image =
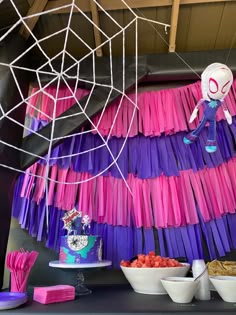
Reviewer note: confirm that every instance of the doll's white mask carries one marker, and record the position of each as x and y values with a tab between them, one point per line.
217	79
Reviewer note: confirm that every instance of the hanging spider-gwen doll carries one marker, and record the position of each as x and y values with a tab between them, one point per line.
216	81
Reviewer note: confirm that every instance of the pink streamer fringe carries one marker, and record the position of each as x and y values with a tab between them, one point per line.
161	202
167	111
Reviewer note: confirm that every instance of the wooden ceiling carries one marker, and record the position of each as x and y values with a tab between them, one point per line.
194	25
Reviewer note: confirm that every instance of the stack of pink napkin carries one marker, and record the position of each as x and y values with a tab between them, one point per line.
54	294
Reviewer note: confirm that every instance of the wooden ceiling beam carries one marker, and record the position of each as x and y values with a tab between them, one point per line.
30	2
203	1
110	5
173	24
84	6
37	7
96	32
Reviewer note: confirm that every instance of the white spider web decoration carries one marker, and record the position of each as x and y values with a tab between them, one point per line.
63	76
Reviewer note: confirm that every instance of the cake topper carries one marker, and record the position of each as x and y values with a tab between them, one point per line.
72	221
86	224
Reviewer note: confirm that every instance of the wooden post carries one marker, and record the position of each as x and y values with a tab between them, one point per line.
174	23
37	7
97	33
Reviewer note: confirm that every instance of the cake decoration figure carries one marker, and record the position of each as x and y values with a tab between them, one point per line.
72	221
86	227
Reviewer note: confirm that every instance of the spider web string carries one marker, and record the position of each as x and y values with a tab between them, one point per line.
105	142
63	75
164	40
38	70
54	115
42	89
96	128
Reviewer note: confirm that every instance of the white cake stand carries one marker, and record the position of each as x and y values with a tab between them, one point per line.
80	288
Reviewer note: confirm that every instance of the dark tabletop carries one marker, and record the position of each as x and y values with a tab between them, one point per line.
121	299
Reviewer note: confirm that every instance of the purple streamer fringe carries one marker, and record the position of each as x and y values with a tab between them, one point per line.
126	242
145	157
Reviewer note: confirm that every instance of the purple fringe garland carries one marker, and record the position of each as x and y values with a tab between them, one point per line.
144	157
122	242
161	202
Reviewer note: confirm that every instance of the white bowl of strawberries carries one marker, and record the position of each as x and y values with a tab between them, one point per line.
145	273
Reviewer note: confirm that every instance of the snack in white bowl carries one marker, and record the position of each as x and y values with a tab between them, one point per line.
221	268
145	273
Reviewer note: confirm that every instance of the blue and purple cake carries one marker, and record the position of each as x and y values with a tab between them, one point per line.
79	247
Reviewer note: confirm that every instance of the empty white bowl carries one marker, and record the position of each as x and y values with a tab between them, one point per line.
180	289
226	287
148	280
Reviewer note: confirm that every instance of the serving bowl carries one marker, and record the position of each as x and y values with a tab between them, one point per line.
148	280
180	289
225	286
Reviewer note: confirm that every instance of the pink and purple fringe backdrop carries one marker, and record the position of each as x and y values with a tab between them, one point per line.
183	197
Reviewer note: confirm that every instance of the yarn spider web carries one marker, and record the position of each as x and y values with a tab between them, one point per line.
63	76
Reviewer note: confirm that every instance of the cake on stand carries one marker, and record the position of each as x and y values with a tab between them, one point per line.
80	288
77	239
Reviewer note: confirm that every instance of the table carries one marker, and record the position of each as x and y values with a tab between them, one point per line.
121	299
80	288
